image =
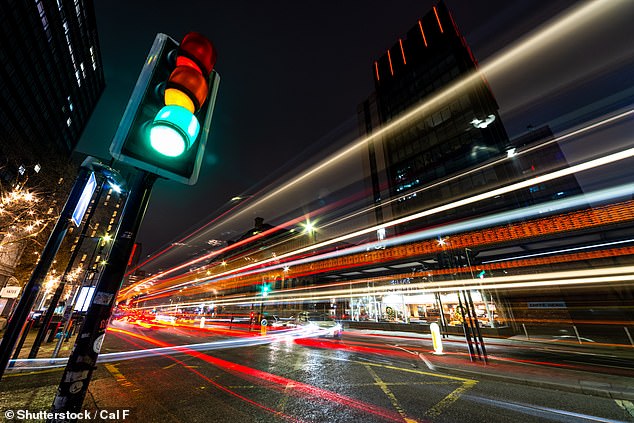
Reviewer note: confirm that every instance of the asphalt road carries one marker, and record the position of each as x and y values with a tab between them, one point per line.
358	379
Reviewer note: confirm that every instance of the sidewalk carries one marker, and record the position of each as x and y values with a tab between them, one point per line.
554	376
46	348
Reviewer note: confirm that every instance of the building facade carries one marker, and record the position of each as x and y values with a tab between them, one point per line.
51	77
454	131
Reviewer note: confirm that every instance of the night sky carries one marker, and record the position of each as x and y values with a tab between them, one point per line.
292	73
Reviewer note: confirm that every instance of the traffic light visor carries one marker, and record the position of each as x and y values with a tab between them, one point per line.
187	88
199	50
173	131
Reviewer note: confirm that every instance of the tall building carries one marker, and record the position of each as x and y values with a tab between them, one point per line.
455	132
51	77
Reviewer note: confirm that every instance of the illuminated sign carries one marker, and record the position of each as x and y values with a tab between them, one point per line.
84	298
84	200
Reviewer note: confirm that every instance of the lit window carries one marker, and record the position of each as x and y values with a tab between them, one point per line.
92	57
47	30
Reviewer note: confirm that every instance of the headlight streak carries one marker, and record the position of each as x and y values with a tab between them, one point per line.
540	209
279	336
522	50
129	291
550	279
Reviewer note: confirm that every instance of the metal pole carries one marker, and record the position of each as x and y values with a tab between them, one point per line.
465	328
443	322
81	364
472	330
42	267
48	316
478	332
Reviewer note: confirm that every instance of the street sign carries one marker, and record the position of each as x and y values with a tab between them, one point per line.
264	322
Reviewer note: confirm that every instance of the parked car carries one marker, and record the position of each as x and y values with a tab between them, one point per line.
321	321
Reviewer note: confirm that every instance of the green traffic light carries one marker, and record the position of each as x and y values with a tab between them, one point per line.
173	131
265	290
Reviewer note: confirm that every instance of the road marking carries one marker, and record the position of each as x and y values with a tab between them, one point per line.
450	399
628	406
389	394
445	402
428	363
119	377
421	372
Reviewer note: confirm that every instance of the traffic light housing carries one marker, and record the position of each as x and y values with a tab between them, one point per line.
165	126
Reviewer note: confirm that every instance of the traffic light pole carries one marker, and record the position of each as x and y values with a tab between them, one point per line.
81	364
32	288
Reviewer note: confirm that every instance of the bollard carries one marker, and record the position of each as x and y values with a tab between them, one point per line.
263	325
436	338
202	322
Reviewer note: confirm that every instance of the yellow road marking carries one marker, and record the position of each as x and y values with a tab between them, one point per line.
456	378
117	375
450	399
445	402
389	394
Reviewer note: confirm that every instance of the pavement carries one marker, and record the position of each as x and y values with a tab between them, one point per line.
46	348
526	372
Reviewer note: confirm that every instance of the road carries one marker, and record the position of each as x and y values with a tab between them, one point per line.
358	379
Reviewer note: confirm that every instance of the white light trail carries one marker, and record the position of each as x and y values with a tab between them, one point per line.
594	276
568	26
550	207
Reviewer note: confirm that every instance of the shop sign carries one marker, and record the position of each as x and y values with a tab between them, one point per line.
10	292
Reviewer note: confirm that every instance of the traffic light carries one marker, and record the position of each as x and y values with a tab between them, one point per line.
165	126
266	288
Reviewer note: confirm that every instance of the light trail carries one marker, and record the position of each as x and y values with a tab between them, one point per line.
490	194
513	215
610	275
281	336
565	250
588	11
300	389
538	41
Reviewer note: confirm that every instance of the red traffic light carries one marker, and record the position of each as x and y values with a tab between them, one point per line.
187	85
198	52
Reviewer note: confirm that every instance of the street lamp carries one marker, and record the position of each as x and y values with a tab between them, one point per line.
310	229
